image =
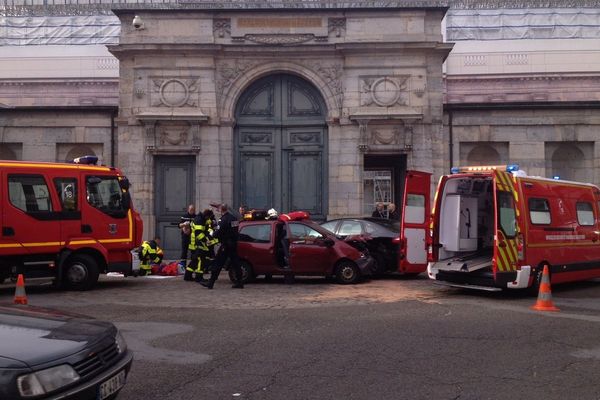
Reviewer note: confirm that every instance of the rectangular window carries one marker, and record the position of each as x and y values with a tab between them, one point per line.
506	214
539	212
585	214
256	233
66	188
29	193
414	212
105	194
350	228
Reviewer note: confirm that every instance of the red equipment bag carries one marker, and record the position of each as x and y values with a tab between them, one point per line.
171	269
294	216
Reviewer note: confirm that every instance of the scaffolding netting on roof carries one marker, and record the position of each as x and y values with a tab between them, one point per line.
63	30
530	23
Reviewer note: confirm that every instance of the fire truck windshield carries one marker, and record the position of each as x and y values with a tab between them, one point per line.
105	194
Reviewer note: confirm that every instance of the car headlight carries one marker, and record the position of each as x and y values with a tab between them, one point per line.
47	380
121	343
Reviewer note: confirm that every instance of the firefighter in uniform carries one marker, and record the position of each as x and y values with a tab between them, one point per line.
211	240
227	234
197	248
149	253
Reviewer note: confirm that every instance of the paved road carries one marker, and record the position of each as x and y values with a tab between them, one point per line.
383	339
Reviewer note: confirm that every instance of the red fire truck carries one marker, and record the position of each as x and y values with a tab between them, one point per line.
495	227
66	221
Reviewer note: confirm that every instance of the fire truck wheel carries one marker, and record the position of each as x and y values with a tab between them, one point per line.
247	273
347	272
81	272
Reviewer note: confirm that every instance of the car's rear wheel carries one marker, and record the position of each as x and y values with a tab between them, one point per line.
247	273
80	272
346	272
380	266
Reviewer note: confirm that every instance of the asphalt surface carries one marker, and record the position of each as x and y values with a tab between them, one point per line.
382	339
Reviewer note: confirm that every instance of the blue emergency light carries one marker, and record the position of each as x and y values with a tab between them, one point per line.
88	160
556	177
512	167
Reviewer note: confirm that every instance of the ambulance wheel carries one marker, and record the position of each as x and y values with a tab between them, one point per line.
347	273
247	273
80	272
537	281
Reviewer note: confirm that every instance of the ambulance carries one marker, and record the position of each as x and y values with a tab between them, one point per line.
494	227
69	222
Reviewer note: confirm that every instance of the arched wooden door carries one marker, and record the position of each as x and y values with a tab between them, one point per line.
281	146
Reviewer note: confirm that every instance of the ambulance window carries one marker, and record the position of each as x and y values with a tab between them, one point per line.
414	211
539	212
67	193
29	193
256	233
506	213
105	194
585	214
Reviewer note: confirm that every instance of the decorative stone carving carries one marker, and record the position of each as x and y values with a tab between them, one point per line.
173	135
337	26
363	144
227	73
279	39
332	75
175	92
221	27
386	137
384	91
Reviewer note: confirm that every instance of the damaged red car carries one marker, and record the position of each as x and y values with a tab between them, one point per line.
299	248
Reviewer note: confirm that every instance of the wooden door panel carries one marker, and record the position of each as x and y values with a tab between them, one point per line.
305	182
257	189
174	190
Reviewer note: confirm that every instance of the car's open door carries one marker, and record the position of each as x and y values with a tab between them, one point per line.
414	229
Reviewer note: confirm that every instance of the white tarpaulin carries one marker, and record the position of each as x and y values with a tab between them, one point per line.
532	23
51	30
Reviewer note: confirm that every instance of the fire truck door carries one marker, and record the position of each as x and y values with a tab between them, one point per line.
105	212
506	227
415	222
29	214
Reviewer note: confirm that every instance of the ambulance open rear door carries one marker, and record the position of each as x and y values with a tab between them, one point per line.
415	222
506	252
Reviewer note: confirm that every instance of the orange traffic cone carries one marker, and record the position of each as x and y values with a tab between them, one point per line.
20	296
544	300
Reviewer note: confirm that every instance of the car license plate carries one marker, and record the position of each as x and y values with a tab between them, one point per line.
112	385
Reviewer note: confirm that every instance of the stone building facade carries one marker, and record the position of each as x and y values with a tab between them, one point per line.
300	104
283	108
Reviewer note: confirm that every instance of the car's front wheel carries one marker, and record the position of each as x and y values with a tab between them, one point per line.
80	272
347	273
